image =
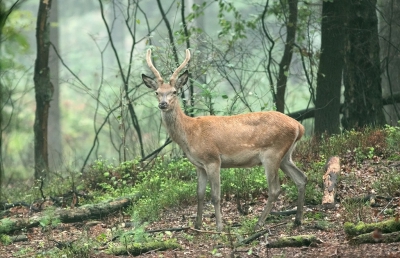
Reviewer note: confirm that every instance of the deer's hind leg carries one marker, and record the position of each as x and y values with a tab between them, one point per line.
299	178
274	187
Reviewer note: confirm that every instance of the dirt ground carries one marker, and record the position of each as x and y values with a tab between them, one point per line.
326	225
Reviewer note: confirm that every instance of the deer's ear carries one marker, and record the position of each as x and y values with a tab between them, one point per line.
149	82
182	80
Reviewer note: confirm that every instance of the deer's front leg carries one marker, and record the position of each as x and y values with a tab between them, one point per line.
214	176
201	190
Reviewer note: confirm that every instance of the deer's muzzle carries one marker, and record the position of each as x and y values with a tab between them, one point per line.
162	105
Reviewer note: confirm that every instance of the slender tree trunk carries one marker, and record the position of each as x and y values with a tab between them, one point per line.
389	30
291	27
2	22
329	78
54	133
363	104
43	90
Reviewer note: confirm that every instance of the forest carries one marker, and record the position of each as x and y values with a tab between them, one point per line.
91	167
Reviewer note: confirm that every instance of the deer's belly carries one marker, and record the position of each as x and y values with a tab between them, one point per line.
240	160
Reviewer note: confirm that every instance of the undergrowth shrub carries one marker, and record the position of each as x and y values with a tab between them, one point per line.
103	174
393	141
243	183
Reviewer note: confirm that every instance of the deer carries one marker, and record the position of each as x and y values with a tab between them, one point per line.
265	138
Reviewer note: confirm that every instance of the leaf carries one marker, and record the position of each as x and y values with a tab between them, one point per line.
224	96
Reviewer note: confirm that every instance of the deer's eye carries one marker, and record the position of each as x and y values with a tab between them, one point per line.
156	93
174	92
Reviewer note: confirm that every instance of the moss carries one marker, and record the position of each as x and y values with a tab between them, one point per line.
387	226
293	241
137	248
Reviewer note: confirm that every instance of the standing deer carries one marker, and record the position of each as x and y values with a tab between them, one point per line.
215	142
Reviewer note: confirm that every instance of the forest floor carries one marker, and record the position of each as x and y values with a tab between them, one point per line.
325	224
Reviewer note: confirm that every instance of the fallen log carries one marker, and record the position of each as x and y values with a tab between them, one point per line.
332	173
387	226
141	248
294	241
375	237
88	211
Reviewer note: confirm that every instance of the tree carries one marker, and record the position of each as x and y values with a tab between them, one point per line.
363	103
329	77
291	27
389	30
54	132
43	90
4	14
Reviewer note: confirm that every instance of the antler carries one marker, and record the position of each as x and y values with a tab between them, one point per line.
175	74
152	68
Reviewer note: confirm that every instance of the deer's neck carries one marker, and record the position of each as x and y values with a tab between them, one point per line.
175	122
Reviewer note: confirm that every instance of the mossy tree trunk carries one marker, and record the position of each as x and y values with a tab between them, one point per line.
43	89
363	105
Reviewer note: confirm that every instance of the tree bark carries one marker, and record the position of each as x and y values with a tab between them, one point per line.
82	213
43	90
332	172
284	65
3	15
54	133
329	77
363	92
390	56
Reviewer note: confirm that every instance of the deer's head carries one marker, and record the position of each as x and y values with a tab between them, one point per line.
166	93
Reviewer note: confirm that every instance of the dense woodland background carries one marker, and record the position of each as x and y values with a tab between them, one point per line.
71	90
87	169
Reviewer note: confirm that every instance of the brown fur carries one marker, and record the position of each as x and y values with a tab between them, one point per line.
214	142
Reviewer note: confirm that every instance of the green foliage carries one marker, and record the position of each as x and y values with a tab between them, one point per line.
6	225
393	140
388	183
232	24
175	180
76	249
243	183
49	220
358	145
104	175
5	239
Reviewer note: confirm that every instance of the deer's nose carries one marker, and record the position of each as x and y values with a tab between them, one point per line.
162	105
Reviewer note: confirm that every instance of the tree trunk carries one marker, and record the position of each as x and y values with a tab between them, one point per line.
2	22
284	65
54	132
43	89
329	78
363	92
390	56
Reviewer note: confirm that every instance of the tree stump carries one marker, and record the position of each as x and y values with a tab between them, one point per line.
332	172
